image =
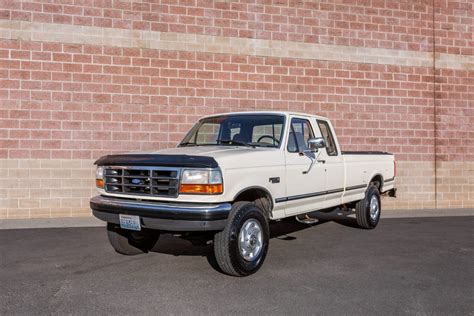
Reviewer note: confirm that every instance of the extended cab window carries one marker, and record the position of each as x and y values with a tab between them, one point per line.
257	130
300	133
331	148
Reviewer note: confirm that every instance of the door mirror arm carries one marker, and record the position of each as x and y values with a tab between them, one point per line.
314	145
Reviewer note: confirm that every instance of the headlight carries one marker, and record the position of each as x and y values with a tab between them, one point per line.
99	177
196	181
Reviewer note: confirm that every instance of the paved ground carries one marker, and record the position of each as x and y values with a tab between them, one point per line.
420	266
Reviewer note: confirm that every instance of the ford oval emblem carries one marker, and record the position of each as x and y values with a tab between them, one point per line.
136	181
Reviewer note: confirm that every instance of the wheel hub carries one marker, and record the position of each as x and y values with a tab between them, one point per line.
250	240
374	208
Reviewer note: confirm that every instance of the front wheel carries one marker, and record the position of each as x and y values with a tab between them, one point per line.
129	242
241	247
368	209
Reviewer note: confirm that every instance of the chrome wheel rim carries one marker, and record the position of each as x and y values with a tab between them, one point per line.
250	240
374	208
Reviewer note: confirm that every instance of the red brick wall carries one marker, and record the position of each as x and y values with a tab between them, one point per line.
454	105
454	29
69	96
455	115
78	101
387	24
406	25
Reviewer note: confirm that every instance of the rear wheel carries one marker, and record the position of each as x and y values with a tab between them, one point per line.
368	209
241	247
129	242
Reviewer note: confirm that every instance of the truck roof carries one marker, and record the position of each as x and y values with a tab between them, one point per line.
286	113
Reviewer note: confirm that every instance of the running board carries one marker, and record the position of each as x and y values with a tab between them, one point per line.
306	219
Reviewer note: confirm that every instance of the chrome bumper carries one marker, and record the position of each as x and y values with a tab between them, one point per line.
163	216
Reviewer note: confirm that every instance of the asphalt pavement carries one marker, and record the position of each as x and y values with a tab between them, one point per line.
413	266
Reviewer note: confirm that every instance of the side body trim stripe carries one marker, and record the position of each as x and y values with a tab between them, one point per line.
308	195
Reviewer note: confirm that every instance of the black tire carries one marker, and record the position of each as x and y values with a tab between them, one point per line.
364	219
226	243
128	242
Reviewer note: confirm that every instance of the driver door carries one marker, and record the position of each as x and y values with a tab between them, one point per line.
304	189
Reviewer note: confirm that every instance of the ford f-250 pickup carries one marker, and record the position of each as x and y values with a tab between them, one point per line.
230	176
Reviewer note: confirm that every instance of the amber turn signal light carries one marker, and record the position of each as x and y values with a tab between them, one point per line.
99	183
201	188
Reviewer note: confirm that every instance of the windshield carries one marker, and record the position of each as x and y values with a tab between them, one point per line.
254	130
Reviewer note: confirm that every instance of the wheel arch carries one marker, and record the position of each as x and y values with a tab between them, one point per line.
377	180
260	195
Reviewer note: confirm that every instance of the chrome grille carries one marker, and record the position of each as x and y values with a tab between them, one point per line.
148	181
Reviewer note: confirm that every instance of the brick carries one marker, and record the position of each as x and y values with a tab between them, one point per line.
79	90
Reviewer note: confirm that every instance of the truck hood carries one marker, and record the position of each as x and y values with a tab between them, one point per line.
228	157
210	151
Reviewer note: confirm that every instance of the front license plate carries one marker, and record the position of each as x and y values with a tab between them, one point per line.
130	222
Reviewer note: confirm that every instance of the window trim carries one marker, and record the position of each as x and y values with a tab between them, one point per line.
331	135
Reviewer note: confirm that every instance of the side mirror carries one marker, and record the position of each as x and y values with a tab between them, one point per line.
315	143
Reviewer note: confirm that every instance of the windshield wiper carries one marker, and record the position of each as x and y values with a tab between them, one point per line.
236	142
256	144
187	144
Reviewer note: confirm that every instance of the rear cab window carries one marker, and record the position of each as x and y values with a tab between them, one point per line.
326	133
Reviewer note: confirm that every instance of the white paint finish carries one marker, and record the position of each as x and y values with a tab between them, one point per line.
241	167
247	167
335	177
360	169
334	166
298	183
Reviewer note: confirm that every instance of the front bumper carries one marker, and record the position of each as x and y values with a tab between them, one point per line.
163	216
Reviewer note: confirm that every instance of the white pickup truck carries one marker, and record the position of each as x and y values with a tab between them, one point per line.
230	176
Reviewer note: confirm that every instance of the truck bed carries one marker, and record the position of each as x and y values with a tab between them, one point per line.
365	153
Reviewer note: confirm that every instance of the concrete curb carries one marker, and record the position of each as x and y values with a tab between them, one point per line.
427	213
94	222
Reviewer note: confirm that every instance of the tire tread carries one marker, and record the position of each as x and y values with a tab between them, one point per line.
361	209
222	248
222	241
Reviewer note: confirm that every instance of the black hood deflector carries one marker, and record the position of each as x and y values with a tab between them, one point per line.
157	160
